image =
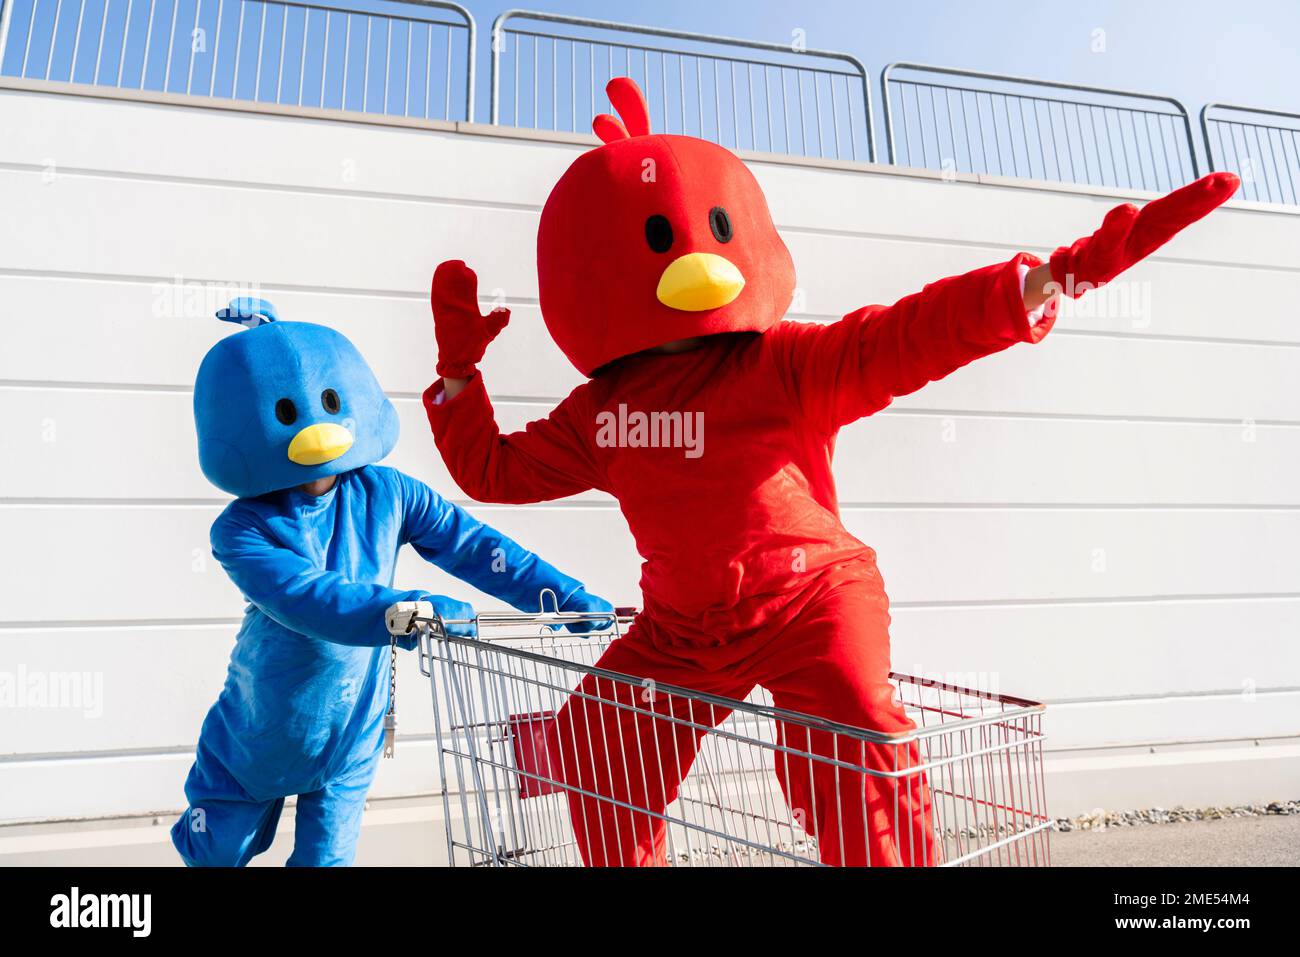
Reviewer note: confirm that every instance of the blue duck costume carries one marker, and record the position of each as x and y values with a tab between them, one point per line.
302	711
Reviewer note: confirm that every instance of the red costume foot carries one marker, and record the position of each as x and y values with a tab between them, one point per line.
713	421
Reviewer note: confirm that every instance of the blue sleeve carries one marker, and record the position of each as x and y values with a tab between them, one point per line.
461	545
298	595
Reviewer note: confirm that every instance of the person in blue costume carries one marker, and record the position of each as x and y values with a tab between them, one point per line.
291	420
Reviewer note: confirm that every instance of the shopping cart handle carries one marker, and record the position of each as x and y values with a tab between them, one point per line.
402	616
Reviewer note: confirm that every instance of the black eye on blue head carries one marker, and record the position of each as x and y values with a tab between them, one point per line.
287	412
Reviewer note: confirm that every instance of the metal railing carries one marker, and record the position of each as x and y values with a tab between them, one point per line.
1260	146
551	71
1035	129
417	58
413	58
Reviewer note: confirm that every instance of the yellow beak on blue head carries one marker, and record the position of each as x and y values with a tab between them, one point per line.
318	444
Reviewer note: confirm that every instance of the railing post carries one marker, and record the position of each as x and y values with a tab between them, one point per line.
866	106
1191	140
497	41
889	114
1205	136
6	14
471	59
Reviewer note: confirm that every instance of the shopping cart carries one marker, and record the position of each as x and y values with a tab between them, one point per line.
496	696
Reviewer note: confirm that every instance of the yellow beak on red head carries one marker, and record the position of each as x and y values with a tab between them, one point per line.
699	281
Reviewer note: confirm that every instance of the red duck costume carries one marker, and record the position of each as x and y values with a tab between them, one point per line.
749	576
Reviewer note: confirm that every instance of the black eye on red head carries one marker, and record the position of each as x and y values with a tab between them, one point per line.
720	223
659	233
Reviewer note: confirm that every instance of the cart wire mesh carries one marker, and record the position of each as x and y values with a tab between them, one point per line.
500	683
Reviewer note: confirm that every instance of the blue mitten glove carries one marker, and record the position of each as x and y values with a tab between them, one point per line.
446	608
450	608
581	601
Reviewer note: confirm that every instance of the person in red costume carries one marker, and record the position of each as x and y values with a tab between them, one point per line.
663	278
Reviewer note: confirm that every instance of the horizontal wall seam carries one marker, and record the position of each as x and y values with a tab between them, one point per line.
1079	601
301	189
82	275
101	624
168	751
117	624
1255	743
549	402
533	208
532	302
1164	697
604	504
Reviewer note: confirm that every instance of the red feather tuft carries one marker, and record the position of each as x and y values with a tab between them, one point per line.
628	100
608	128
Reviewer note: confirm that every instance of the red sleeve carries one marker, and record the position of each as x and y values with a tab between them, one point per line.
551	458
848	369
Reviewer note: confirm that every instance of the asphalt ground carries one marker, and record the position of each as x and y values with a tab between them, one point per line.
405	833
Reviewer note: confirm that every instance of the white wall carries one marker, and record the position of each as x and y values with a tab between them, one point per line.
1107	521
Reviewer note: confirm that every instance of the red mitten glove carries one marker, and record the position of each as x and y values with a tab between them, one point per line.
463	333
1128	234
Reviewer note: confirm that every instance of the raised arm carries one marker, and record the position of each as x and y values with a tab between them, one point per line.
857	366
549	459
851	368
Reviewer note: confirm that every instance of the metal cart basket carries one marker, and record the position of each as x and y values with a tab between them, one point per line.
497	693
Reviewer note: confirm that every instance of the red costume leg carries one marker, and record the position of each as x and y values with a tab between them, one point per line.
833	661
615	739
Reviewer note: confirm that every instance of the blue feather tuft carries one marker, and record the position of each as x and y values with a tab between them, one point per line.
248	311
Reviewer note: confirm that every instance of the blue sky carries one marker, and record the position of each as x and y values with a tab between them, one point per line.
1197	50
1193	49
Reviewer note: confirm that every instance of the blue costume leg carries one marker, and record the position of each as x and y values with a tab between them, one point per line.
329	820
224	826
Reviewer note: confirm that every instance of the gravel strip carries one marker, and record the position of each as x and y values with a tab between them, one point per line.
1101	820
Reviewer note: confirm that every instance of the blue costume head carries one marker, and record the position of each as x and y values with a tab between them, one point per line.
285	403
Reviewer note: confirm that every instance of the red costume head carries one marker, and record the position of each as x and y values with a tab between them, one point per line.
648	239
